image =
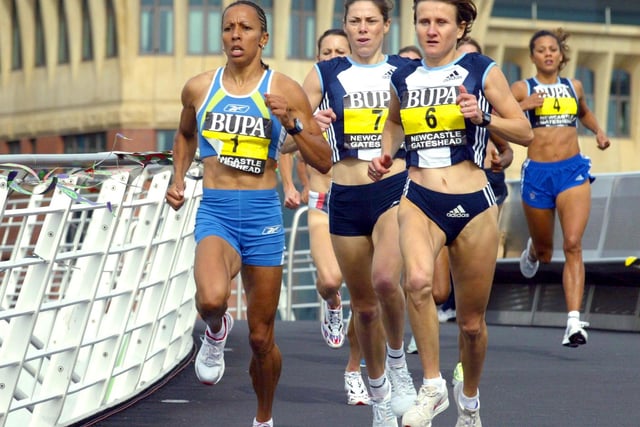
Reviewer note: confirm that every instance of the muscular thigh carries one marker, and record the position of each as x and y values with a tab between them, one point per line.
321	246
214	254
420	238
262	290
387	261
573	207
354	255
472	258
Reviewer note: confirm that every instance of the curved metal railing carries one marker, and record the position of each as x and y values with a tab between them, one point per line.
96	298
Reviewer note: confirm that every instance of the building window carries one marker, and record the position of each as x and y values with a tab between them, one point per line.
40	53
63	35
112	31
85	143
87	37
619	104
267	6
156	26
164	139
338	14
13	147
511	71
586	77
16	40
205	21
303	25
391	43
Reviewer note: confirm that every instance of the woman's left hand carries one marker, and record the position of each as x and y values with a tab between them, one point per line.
603	140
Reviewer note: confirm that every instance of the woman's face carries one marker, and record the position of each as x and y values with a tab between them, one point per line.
437	30
365	26
333	45
546	55
242	33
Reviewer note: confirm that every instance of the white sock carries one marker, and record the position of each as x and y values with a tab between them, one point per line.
396	358
379	387
257	423
221	333
435	382
471	403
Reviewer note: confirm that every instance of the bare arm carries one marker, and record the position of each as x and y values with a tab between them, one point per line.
527	102
392	137
588	119
502	157
510	123
287	102
291	194
312	88
301	170
184	143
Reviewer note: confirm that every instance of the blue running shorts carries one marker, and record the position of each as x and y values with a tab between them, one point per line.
249	220
541	182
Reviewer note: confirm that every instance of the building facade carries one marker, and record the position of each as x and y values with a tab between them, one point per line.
82	76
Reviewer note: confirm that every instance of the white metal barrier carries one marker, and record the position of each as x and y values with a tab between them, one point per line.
96	296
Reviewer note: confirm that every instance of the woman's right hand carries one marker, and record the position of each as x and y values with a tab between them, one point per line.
532	101
324	118
175	195
379	166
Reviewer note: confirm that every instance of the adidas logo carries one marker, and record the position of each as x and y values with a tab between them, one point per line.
453	76
579	178
458	212
388	74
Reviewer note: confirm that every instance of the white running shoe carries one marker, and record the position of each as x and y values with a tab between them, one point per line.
332	326
403	392
257	423
574	334
466	417
446	315
383	416
357	393
209	363
528	268
412	347
430	402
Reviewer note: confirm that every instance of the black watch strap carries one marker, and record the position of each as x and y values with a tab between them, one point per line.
297	127
486	119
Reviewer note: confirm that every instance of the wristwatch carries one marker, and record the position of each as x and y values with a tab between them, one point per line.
297	127
486	119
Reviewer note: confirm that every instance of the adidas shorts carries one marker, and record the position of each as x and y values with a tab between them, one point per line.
249	220
541	182
451	212
498	185
355	209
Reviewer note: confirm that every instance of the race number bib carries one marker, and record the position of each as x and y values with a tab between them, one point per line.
242	142
432	119
364	116
559	107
